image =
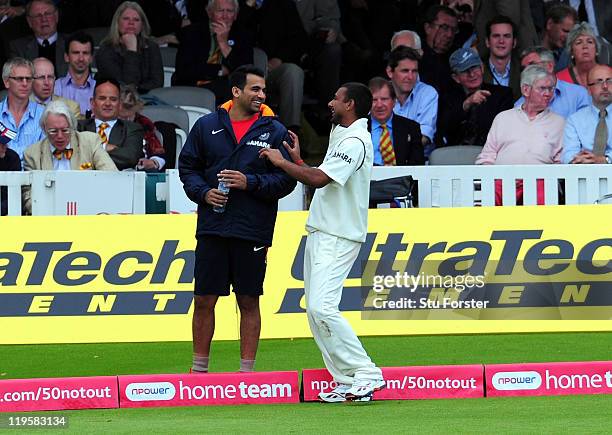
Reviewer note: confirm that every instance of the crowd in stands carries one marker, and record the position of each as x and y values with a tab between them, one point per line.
528	80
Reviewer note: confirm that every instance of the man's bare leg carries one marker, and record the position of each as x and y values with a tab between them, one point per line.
250	327
203	329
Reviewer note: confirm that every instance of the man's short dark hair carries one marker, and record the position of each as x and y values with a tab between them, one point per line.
28	6
79	36
361	95
377	83
501	19
238	77
432	13
400	53
102	80
559	12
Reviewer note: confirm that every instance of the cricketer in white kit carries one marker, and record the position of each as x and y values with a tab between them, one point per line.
337	226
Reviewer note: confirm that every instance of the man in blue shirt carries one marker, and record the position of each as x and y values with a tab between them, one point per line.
17	112
415	99
568	98
588	133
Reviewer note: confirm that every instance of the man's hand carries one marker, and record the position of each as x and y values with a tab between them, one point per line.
12	11
130	41
221	31
293	150
332	36
216	198
476	99
147	164
586	157
3	148
273	155
233	179
109	147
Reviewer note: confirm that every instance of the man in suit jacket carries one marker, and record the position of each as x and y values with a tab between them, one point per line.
519	12
64	148
42	17
601	19
405	134
43	86
467	115
123	140
198	65
501	67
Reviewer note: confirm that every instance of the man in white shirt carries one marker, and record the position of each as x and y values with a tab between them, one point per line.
337	226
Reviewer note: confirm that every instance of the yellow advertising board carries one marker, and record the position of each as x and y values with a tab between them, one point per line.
130	278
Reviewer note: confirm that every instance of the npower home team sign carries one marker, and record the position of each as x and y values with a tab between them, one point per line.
420	271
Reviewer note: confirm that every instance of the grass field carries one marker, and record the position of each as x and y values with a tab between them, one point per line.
569	414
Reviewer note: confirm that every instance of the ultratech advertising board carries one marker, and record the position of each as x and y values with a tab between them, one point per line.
420	271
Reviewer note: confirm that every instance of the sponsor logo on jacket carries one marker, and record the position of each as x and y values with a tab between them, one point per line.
258	143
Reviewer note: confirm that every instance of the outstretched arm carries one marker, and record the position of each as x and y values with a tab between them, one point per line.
299	170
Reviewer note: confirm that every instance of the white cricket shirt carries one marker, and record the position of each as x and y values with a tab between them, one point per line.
341	207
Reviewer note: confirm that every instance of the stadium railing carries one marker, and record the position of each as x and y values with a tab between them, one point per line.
177	202
97	192
13	182
77	192
474	185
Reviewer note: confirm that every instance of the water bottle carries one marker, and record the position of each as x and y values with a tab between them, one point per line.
224	189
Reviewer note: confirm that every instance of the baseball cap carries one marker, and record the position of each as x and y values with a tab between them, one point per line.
464	59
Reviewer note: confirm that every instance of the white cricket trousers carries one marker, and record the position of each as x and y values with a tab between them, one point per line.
327	262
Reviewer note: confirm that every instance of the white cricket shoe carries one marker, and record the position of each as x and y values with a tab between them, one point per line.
336	395
362	388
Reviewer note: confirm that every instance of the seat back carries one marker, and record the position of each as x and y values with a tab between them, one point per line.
168	55
186	96
181	138
455	155
260	60
172	114
97	33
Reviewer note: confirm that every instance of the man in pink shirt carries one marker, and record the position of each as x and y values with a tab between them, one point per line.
526	135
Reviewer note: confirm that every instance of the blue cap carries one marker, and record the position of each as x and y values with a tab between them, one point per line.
463	59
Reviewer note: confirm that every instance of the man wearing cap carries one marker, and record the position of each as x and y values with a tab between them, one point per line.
468	112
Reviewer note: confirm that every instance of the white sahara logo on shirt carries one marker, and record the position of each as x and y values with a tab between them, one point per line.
261	142
342	156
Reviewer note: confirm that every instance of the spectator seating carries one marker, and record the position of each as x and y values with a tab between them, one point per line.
98	34
168	55
455	155
174	115
260	60
195	101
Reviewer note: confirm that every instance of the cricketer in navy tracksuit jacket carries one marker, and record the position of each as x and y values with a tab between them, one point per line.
249	214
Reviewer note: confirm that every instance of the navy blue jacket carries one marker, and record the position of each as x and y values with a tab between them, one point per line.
249	214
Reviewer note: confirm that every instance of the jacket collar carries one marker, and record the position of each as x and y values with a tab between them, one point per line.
264	110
